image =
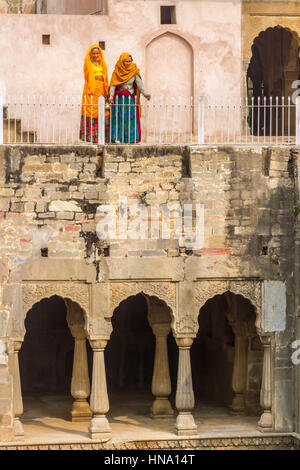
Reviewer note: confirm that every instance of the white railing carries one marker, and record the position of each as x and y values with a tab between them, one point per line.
64	120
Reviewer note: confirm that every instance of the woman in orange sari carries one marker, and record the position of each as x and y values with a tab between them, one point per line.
125	88
96	85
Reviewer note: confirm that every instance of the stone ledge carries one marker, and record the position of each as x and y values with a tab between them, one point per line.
266	442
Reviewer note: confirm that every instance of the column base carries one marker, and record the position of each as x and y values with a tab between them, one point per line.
99	428
265	424
161	408
237	406
18	430
81	411
185	424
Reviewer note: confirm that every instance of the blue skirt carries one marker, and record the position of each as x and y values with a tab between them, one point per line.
124	120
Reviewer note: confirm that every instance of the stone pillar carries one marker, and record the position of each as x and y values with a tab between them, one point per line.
265	423
99	427
6	395
17	393
185	400
80	385
161	382
239	375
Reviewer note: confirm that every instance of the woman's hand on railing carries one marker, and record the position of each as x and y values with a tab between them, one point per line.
111	100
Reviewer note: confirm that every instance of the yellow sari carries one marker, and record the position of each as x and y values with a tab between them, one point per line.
93	88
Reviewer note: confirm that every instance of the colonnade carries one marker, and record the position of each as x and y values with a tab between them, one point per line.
160	321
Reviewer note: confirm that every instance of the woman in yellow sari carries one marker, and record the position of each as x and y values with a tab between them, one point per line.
96	85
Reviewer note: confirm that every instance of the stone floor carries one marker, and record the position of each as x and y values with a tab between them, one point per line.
46	419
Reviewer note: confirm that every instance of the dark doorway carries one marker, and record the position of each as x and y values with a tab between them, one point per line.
46	357
213	355
273	67
129	358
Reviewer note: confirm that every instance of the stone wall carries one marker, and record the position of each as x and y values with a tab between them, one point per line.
48	202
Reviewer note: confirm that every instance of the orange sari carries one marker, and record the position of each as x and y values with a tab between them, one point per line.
93	88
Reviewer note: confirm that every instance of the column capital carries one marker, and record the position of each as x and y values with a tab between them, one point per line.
77	331
17	346
266	338
98	344
184	343
161	330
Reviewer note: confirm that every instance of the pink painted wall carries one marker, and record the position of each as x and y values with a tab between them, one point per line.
208	57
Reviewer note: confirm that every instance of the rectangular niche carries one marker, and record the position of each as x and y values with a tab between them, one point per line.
168	15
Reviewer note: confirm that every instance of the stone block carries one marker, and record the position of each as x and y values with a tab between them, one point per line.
124	167
66	215
64	206
29	206
6	192
4	204
46	215
273	306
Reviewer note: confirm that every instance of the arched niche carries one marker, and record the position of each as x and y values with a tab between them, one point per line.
169	66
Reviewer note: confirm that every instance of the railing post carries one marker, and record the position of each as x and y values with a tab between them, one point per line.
101	120
1	120
200	120
298	120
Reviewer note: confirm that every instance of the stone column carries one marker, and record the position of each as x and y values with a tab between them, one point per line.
99	427
185	400
6	394
161	382
239	375
80	385
265	423
17	393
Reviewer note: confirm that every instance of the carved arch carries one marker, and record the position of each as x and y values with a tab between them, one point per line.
78	293
293	33
162	290
250	290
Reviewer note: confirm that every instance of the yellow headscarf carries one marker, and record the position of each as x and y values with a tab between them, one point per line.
89	76
122	75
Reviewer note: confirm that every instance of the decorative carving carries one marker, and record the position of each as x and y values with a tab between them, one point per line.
250	289
79	293
33	293
187	325
165	291
205	290
101	327
254	442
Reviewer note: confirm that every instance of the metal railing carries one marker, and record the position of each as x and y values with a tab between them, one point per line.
66	120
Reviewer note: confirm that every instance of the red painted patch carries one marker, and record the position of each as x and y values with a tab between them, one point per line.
72	228
153	220
222	217
25	240
133	196
1	215
212	251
